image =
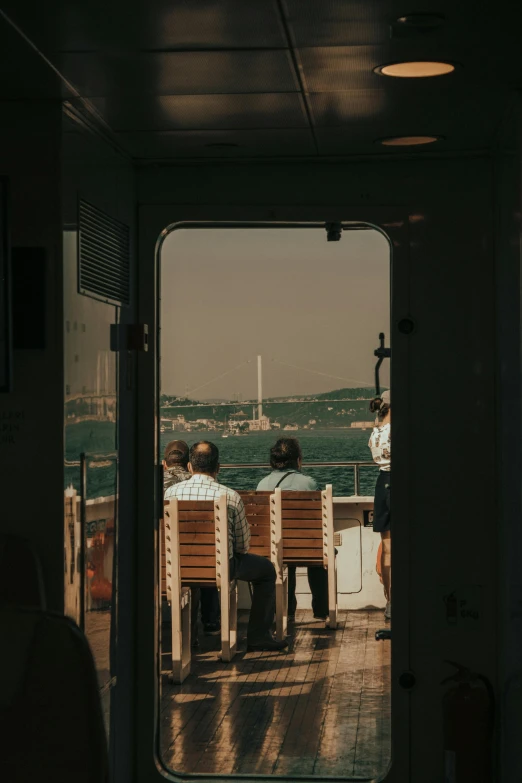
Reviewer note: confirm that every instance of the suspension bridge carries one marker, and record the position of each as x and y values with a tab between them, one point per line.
308	399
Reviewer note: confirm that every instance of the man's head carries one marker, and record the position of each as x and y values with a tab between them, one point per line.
204	458
286	455
176	453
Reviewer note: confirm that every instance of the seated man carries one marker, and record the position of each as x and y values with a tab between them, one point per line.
285	460
175	461
204	467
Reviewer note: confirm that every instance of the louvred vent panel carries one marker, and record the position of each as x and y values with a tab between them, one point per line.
103	256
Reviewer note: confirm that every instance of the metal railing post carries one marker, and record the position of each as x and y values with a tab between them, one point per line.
356	479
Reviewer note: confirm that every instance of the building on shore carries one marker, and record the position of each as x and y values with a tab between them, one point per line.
362	425
262	424
179	423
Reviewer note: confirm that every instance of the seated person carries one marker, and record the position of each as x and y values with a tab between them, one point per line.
175	461
285	460
204	468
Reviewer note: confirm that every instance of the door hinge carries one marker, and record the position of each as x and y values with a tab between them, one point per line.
129	337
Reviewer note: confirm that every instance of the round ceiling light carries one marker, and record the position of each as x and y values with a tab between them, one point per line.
408	141
421	21
415	69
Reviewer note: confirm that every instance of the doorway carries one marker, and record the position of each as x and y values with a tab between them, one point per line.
269	333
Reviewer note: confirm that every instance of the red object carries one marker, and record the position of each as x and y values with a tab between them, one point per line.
468	719
101	590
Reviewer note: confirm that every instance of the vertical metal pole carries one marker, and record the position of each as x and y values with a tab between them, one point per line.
83	530
259	388
356	479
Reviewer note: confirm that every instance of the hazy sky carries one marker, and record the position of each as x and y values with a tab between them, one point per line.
287	294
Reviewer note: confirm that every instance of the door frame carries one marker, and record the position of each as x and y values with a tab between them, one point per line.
156	222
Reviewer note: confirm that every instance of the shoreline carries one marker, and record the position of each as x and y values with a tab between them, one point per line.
273	432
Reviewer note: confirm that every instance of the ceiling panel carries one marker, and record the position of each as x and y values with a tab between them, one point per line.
207	24
219	144
374	22
202	112
329	69
57	25
91	25
345	142
466	121
200	68
417	104
331	109
180	73
337	22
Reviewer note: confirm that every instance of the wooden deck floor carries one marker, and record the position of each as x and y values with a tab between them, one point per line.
323	708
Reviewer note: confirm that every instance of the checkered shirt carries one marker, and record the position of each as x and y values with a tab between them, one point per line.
203	487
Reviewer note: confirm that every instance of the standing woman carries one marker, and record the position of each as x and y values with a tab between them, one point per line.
380	444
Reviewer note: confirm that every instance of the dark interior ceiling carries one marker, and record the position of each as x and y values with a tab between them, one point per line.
170	79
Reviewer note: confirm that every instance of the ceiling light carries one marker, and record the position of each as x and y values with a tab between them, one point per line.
408	141
421	21
415	69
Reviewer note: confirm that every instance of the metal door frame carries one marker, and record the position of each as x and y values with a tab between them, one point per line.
155	224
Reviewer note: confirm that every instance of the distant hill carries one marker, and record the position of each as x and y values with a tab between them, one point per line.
359	393
329	410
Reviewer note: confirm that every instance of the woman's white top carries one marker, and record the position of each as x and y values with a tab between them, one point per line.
380	444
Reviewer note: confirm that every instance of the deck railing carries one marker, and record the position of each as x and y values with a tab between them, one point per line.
353	465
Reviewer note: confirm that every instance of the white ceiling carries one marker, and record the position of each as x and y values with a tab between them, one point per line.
252	78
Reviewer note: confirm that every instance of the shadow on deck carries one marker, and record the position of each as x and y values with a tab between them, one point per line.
322	708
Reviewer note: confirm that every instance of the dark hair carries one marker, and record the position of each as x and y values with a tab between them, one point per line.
379	407
286	453
176	453
204	457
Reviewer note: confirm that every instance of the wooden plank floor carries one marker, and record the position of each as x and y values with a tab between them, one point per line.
323	708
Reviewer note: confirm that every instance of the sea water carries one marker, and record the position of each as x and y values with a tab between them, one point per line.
98	438
317	446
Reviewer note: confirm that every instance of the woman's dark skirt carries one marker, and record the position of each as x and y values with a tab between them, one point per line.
381	503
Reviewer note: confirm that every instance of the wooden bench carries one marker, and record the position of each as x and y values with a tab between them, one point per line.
303	528
258	507
180	610
196	553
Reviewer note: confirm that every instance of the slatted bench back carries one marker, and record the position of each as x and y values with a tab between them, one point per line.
196	554
303	528
163	566
198	540
257	509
